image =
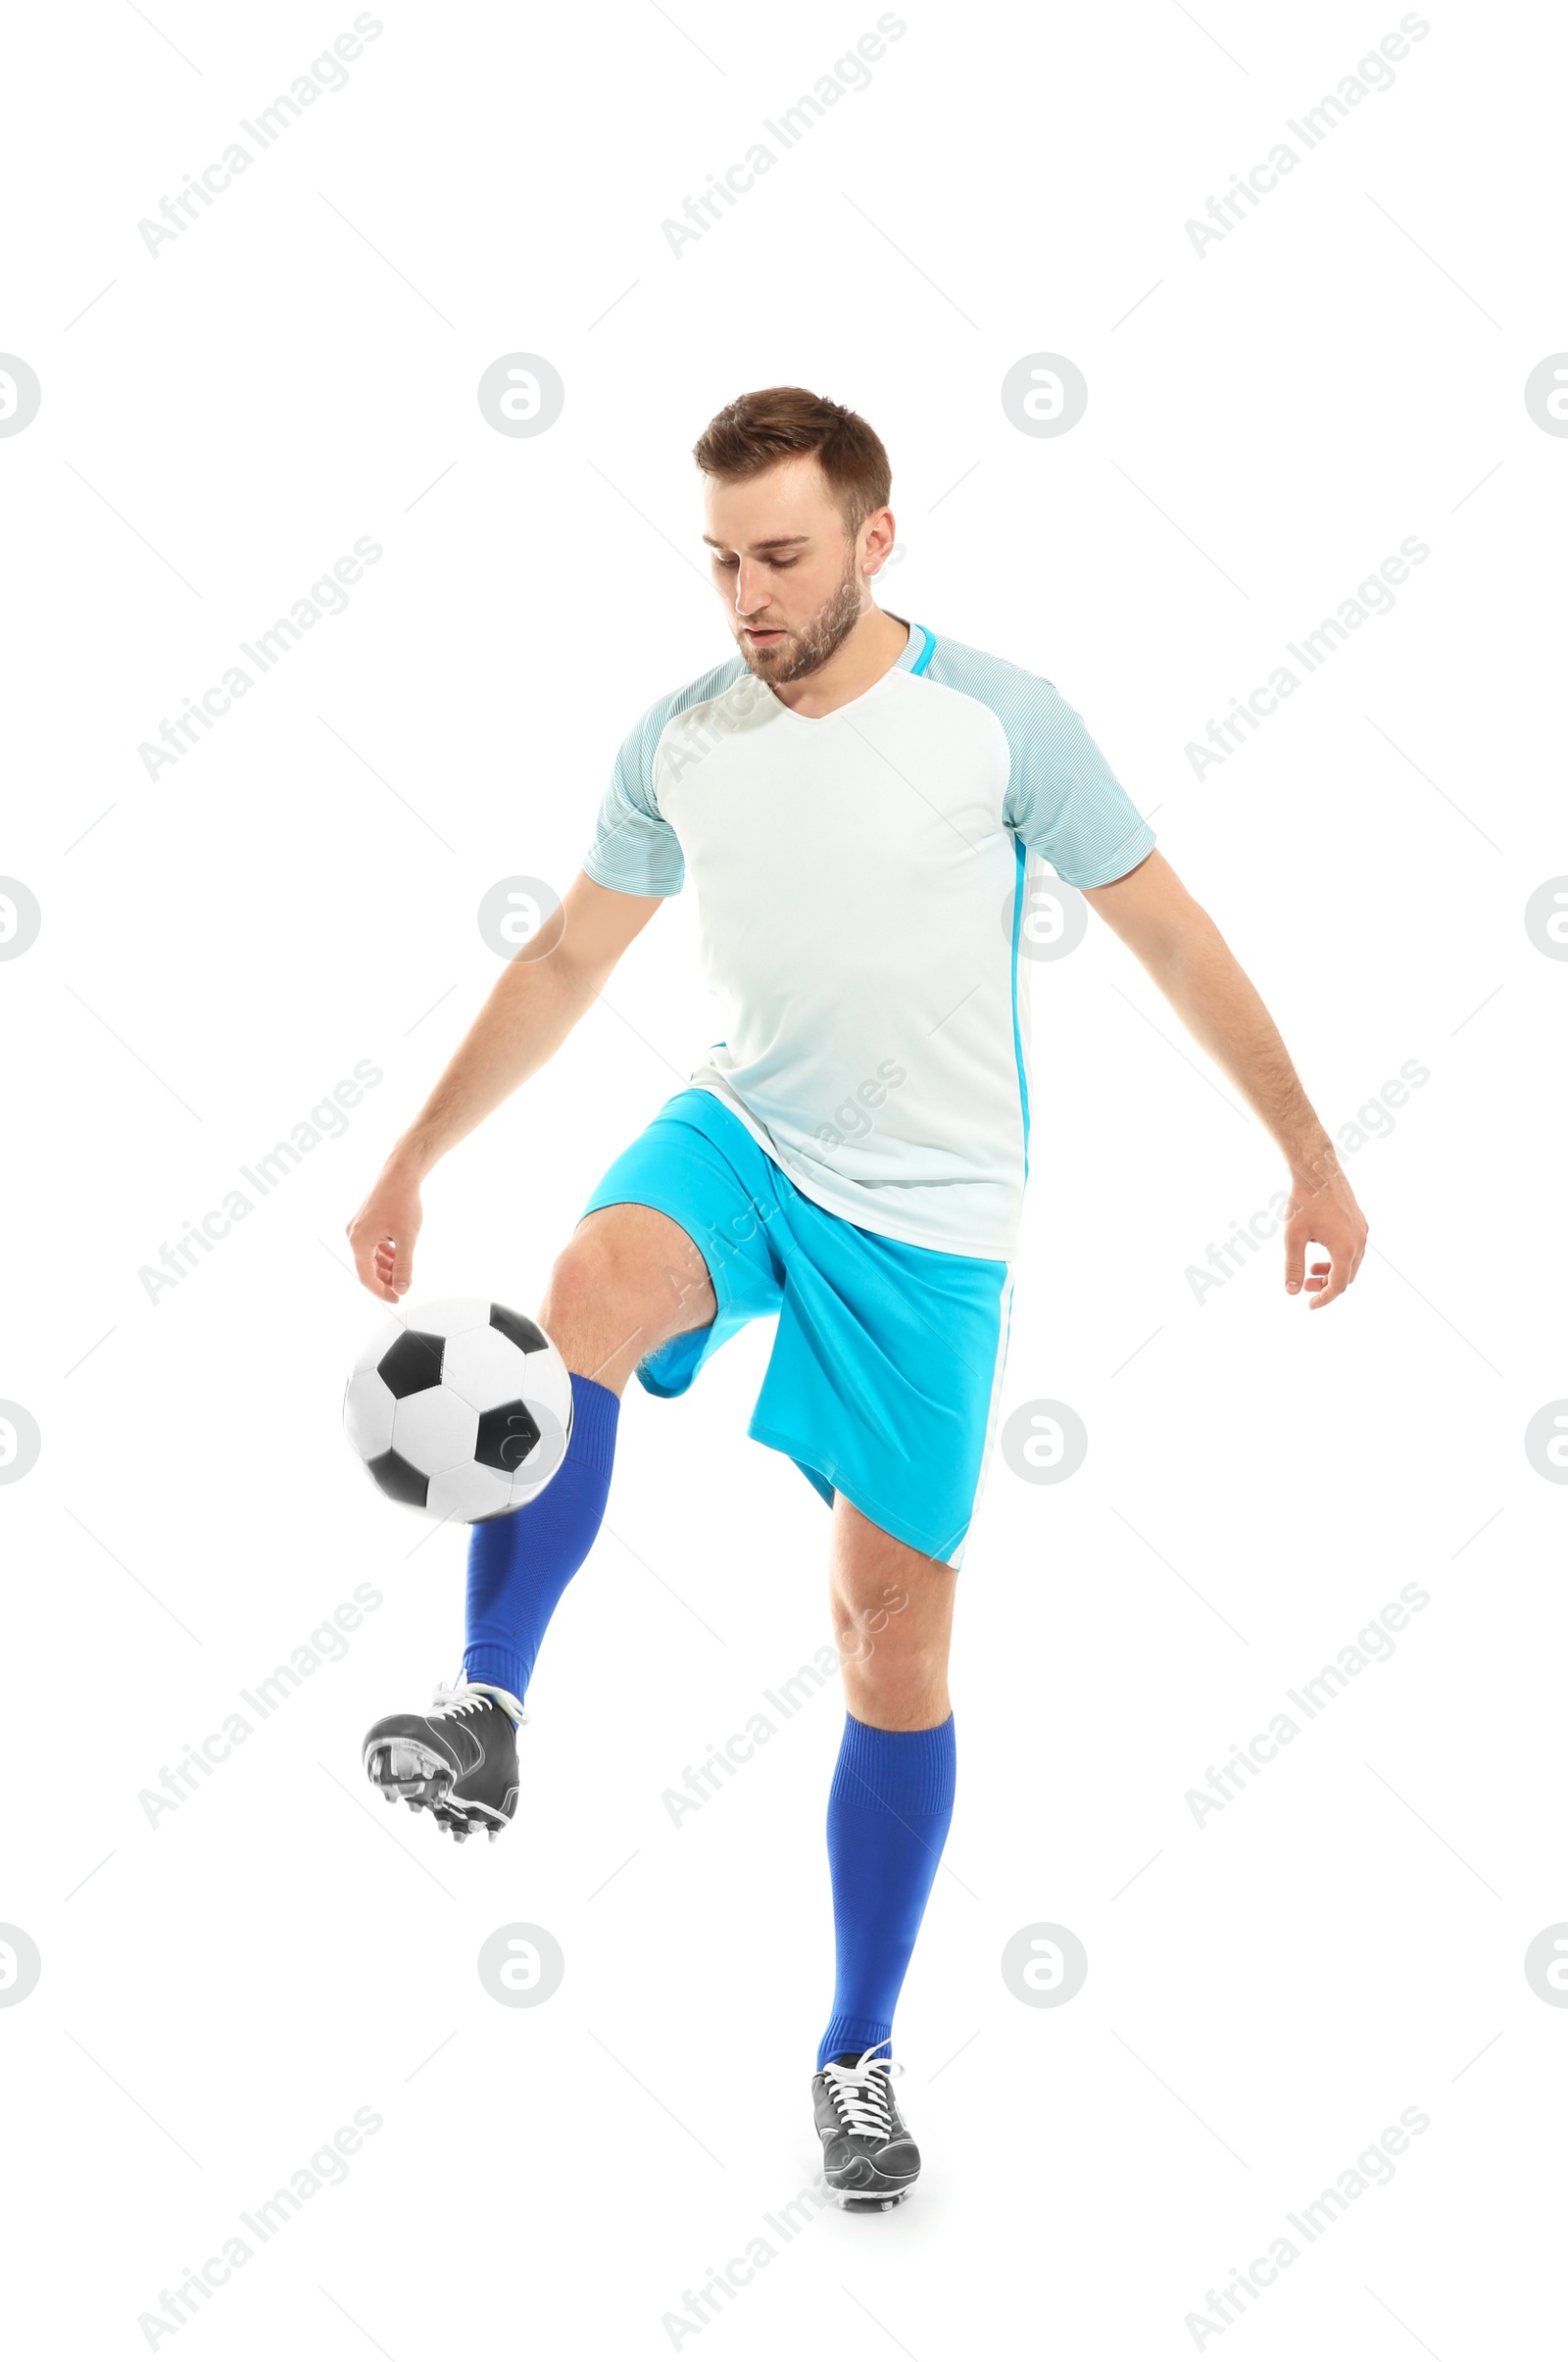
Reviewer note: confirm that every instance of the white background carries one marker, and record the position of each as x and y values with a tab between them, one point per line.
1267	1991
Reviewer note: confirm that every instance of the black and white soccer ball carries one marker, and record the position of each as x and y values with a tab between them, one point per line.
461	1408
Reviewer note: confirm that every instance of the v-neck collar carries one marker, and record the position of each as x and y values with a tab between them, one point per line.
910	658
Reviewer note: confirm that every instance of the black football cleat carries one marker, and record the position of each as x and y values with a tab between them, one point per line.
870	2162
459	1761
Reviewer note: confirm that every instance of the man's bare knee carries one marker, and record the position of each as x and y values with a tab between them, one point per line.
892	1608
627	1279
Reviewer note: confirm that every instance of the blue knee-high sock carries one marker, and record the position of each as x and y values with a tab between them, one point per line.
888	1811
519	1565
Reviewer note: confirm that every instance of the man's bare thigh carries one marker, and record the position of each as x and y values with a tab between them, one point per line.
628	1279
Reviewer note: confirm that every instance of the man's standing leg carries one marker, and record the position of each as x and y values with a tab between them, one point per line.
887	1820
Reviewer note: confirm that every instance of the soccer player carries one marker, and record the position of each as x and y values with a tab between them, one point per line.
860	804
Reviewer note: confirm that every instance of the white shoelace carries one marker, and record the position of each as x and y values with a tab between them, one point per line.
863	2095
465	1697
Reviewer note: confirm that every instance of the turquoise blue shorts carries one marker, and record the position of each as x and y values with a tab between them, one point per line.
887	1361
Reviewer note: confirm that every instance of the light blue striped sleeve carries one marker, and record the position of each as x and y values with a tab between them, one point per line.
1063	800
635	850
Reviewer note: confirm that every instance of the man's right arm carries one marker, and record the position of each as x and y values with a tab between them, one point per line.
537	1000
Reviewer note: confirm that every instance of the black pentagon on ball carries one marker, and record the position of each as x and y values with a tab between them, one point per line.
399	1480
507	1436
525	1334
412	1363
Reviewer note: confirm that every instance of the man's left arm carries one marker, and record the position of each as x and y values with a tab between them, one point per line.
1188	957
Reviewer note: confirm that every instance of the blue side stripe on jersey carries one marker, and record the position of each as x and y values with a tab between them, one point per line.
1020	865
925	654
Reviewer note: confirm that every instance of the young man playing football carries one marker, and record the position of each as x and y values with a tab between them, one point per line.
860	804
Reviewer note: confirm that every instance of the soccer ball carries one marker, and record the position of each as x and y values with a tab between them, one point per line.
461	1408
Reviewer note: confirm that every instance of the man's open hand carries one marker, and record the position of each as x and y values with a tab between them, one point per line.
1323	1213
382	1235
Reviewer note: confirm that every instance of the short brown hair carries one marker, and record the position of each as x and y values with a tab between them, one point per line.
756	431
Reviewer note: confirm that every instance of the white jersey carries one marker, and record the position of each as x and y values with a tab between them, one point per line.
862	882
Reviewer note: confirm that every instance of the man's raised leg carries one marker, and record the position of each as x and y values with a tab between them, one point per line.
629	1279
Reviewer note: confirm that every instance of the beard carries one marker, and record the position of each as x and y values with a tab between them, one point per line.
807	648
